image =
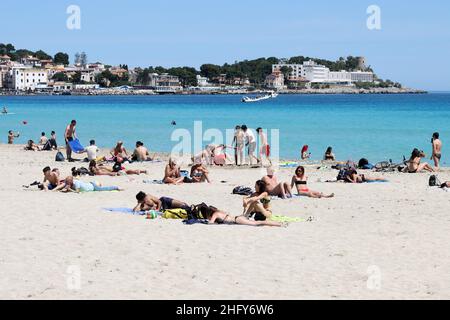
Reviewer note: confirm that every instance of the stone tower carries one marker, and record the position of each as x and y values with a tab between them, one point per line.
362	63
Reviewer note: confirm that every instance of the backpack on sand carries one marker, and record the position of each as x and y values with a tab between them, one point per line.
59	157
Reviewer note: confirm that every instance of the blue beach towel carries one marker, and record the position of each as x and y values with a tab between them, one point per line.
125	210
76	146
195	221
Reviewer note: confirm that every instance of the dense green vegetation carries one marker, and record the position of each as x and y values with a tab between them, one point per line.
187	75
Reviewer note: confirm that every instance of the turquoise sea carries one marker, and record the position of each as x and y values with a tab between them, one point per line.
377	127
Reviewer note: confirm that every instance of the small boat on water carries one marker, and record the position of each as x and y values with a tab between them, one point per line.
270	95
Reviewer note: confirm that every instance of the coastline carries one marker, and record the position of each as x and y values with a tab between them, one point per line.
330	91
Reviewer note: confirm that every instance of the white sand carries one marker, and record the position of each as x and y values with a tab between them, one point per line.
401	227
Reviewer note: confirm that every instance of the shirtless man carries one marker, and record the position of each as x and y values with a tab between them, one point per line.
148	202
264	148
69	135
141	153
51	178
274	188
238	144
437	149
11	136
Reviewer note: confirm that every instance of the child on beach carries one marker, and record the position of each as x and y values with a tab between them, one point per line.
300	181
264	148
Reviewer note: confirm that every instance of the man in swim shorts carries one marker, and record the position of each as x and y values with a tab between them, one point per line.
437	149
51	178
70	135
149	202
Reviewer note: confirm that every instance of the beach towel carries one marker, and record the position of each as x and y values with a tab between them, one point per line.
76	146
288	164
153	181
286	219
125	210
195	221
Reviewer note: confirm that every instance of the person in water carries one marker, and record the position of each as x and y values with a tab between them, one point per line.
275	188
329	155
257	205
304	153
5	110
300	181
72	185
148	202
172	173
70	135
11	136
216	216
436	149
414	164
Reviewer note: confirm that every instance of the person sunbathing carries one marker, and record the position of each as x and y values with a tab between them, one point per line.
119	151
274	188
51	179
300	181
140	153
148	202
31	146
414	165
101	170
257	205
72	185
199	173
216	216
353	177
172	174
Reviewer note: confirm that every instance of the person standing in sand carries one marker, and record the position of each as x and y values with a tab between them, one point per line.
437	149
264	149
70	135
238	144
11	136
250	143
274	188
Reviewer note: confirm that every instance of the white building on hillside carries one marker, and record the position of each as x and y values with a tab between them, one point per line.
361	76
315	73
23	78
202	81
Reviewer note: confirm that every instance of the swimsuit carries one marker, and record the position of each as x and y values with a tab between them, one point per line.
166	203
224	221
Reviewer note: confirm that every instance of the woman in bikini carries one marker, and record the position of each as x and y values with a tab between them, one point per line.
300	181
119	151
199	173
214	215
115	171
329	155
414	165
353	177
257	205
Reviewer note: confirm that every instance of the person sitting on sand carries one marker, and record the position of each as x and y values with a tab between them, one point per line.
72	185
51	178
31	146
140	153
304	153
11	136
148	202
92	151
274	188
414	165
199	173
300	181
216	216
329	155
353	177
257	205
119	151
43	139
172	174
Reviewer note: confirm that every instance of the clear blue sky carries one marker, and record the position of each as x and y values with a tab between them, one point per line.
412	47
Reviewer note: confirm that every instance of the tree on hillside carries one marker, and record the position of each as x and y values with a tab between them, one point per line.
61	58
187	75
41	55
210	70
286	71
61	77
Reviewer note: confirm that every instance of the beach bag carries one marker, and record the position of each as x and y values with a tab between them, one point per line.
362	163
175	214
59	157
342	174
200	211
434	181
244	191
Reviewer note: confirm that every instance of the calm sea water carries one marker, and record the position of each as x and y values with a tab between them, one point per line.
378	127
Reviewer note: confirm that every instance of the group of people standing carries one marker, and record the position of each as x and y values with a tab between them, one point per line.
244	139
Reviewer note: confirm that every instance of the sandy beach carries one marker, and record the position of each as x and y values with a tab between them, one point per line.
372	241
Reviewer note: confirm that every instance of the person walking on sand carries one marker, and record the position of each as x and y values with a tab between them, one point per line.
264	148
70	135
437	149
11	136
250	143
